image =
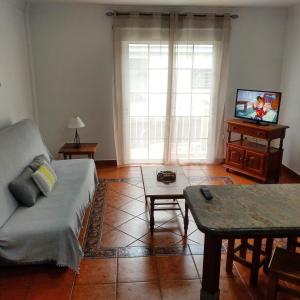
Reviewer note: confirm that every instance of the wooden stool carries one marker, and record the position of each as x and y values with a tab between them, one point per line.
256	262
285	265
292	244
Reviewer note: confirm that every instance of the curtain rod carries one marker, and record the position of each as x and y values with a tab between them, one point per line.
117	13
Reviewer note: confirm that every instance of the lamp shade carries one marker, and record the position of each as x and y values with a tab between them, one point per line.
76	122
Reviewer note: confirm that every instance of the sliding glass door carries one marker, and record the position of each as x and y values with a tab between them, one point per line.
145	91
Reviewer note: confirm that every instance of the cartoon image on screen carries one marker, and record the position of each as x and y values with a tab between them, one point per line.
258	105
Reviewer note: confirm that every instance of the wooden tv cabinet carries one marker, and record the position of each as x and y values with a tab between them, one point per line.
260	161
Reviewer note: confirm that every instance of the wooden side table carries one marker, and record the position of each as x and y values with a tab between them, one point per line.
69	149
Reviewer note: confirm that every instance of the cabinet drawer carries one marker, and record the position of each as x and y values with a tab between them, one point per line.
248	131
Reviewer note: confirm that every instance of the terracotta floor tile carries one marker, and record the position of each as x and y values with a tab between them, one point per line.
141	199
232	288
197	236
116	238
109	209
106	228
115	199
160	217
13	293
181	289
94	292
19	276
198	259
176	226
176	267
116	217
49	293
160	239
126	189
138	243
53	276
194	171
199	265
137	269
109	172
237	179
138	291
134	207
135	227
216	171
94	271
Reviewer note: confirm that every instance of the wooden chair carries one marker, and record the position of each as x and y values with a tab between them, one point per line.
284	266
239	254
292	244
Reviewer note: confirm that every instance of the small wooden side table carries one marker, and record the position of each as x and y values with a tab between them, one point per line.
69	149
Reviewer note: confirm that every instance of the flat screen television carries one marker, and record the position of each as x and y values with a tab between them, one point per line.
257	106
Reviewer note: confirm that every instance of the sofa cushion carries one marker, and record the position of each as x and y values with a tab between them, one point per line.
19	145
45	178
38	160
24	189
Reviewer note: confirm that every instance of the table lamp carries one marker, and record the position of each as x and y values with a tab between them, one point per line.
76	122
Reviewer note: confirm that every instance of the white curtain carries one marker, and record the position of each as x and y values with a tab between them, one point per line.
170	78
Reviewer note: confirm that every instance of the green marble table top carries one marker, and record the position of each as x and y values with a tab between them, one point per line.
262	209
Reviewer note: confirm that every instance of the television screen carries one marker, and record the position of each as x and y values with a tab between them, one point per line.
260	106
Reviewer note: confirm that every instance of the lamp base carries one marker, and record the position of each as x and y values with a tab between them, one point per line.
76	140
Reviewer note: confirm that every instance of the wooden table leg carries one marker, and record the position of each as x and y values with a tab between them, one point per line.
291	244
243	251
65	156
186	217
152	203
230	255
211	268
255	262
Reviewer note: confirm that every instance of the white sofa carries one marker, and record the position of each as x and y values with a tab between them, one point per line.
47	231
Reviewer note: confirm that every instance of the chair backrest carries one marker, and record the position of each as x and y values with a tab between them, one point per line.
19	144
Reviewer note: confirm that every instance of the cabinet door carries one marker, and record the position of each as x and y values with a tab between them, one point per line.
254	162
235	157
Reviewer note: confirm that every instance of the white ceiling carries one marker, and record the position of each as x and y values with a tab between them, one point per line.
218	3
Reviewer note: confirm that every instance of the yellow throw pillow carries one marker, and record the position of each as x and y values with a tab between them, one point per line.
45	178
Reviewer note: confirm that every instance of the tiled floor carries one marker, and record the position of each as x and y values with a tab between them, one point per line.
153	277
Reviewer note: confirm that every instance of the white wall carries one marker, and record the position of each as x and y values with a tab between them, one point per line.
15	84
73	61
290	85
256	49
72	48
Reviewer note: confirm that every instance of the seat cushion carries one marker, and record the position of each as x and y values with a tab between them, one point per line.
48	231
